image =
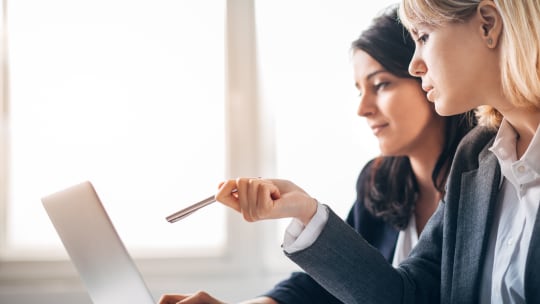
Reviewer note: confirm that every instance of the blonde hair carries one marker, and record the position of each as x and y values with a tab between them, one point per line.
520	44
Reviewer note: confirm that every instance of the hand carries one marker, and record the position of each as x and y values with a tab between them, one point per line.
200	297
258	199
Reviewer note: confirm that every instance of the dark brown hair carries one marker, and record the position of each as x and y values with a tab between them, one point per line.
392	190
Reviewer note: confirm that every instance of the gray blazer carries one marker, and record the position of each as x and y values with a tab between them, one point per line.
446	265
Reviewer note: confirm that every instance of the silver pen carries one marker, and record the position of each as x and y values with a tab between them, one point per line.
190	209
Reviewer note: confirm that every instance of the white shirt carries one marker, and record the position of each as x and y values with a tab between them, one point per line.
406	241
298	236
518	199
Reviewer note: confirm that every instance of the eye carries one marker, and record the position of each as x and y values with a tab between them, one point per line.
358	87
422	39
381	85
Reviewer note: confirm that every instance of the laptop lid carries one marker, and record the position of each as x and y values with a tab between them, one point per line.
94	246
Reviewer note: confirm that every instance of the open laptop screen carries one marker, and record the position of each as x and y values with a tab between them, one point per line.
95	247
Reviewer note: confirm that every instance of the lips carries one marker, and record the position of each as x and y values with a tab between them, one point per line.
429	92
377	127
427	88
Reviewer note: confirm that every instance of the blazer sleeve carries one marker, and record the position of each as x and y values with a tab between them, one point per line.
359	273
301	288
346	265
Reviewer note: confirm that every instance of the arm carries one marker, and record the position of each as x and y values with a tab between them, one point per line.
360	274
260	199
299	287
351	255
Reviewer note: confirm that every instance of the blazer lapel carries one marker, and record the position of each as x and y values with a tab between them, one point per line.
479	190
532	268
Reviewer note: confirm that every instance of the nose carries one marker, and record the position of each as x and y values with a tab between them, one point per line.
417	67
367	106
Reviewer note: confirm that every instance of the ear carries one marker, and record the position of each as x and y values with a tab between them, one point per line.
491	22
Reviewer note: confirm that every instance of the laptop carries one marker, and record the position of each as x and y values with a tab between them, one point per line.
94	246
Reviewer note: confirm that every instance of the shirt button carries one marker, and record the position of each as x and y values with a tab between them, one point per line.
510	242
521	169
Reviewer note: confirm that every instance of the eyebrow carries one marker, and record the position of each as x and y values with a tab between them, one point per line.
371	75
414	30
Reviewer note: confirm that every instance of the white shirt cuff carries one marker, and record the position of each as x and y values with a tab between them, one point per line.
299	237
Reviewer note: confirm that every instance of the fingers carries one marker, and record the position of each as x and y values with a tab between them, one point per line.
254	198
258	199
200	297
266	196
250	194
226	196
171	298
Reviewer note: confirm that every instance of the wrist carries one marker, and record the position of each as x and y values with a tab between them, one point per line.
308	211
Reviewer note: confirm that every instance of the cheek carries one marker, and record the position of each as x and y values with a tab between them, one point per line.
456	81
417	114
411	101
416	121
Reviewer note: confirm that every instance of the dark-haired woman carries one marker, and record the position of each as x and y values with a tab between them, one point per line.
398	191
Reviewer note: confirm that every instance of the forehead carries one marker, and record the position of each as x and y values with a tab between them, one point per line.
416	28
365	64
414	12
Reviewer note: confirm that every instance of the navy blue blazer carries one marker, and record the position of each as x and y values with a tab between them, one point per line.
301	288
446	264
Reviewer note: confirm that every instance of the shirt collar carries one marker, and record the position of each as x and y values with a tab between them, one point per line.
504	145
504	148
532	155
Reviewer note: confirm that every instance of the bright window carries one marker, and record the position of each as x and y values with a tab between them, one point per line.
126	94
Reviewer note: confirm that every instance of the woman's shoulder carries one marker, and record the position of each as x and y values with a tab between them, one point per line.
474	146
478	136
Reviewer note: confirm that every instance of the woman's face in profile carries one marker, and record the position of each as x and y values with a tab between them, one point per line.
396	109
458	69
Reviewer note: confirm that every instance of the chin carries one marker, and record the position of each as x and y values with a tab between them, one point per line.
387	151
383	151
442	108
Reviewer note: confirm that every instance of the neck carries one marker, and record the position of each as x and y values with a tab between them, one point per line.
423	170
428	195
424	157
525	122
